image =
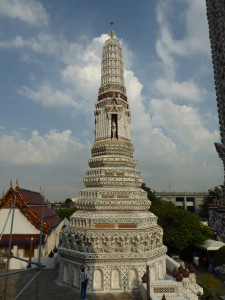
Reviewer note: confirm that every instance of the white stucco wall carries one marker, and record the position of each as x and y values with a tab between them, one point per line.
48	262
21	225
53	239
171	264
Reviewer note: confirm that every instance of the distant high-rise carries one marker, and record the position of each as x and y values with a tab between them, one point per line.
216	21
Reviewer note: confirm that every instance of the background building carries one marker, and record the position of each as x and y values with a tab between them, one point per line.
216	22
186	200
26	228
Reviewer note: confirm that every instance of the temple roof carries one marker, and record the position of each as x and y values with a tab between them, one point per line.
32	197
30	205
21	239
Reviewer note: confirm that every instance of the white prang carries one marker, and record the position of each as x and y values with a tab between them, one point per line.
112	232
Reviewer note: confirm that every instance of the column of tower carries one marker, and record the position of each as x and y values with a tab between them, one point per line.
216	22
112	230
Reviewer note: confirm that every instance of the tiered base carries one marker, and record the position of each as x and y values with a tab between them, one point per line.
111	272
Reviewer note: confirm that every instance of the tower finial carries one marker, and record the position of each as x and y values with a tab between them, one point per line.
111	33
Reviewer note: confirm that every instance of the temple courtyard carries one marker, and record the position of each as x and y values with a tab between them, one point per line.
51	288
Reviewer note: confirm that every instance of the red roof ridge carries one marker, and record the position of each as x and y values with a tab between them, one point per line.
23	204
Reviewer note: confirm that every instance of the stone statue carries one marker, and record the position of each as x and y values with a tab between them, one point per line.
147	244
82	246
123	244
113	129
74	245
139	245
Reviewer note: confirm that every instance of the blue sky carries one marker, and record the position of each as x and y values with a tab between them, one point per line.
50	58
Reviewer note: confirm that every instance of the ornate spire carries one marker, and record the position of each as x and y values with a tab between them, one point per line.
111	32
112	72
112	113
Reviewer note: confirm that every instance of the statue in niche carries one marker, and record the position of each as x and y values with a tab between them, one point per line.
114	131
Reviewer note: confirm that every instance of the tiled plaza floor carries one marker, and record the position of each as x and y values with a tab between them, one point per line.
50	289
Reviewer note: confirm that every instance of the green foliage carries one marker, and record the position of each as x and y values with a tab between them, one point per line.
65	212
207	200
209	284
207	294
219	256
209	281
182	228
150	194
68	200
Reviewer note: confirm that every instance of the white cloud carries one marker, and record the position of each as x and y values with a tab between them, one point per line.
17	42
80	73
140	119
51	148
196	39
49	97
186	90
29	11
184	125
83	70
43	43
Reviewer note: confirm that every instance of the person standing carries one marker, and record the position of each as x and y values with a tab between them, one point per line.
84	282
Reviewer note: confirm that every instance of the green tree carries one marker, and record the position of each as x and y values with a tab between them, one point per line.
219	256
68	200
151	196
213	194
182	228
65	212
209	284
